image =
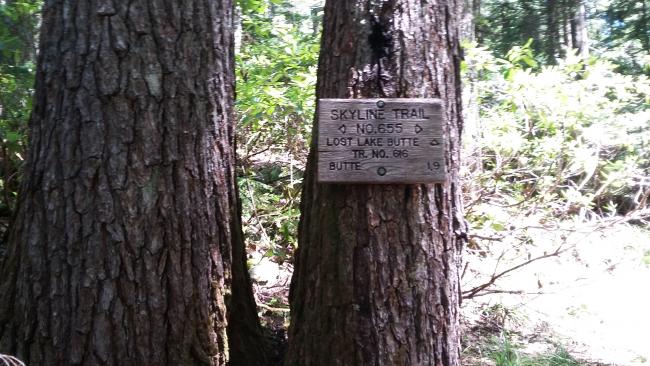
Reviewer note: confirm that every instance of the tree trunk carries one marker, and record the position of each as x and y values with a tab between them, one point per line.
552	31
467	29
376	278
579	30
645	20
477	19
126	247
567	11
529	20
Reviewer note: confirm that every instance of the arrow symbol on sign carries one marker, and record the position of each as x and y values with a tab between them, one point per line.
434	142
418	129
342	128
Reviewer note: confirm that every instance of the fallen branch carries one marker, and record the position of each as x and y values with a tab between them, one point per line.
511	292
495	276
488	238
270	308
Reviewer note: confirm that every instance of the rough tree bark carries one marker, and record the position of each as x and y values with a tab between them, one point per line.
126	248
377	270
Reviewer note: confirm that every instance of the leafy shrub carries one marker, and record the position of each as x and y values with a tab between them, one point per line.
270	204
566	139
276	79
18	22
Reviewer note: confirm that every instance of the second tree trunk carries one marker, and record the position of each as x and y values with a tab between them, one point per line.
377	270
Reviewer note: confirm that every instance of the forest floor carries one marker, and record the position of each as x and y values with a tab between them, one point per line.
587	305
590	302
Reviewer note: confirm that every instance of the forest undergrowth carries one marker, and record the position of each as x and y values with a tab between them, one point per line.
556	163
556	175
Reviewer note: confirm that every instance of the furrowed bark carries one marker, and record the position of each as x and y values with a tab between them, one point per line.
376	280
126	248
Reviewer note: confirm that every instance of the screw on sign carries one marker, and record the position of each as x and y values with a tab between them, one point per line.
389	140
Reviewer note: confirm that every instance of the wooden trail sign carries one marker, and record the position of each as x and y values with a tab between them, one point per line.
380	141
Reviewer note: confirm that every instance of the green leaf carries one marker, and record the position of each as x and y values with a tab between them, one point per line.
13	137
496	226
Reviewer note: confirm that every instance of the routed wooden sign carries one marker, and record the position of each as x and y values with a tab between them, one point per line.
380	141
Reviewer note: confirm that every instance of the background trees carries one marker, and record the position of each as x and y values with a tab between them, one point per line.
560	147
629	21
553	25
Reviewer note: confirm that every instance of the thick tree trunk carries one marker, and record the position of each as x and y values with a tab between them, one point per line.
126	248
377	269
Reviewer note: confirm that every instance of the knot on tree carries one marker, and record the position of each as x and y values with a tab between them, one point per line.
380	38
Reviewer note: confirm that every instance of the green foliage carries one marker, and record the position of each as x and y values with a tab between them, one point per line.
505	353
18	21
629	20
624	35
270	204
276	79
504	24
558	358
566	139
618	30
505	336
